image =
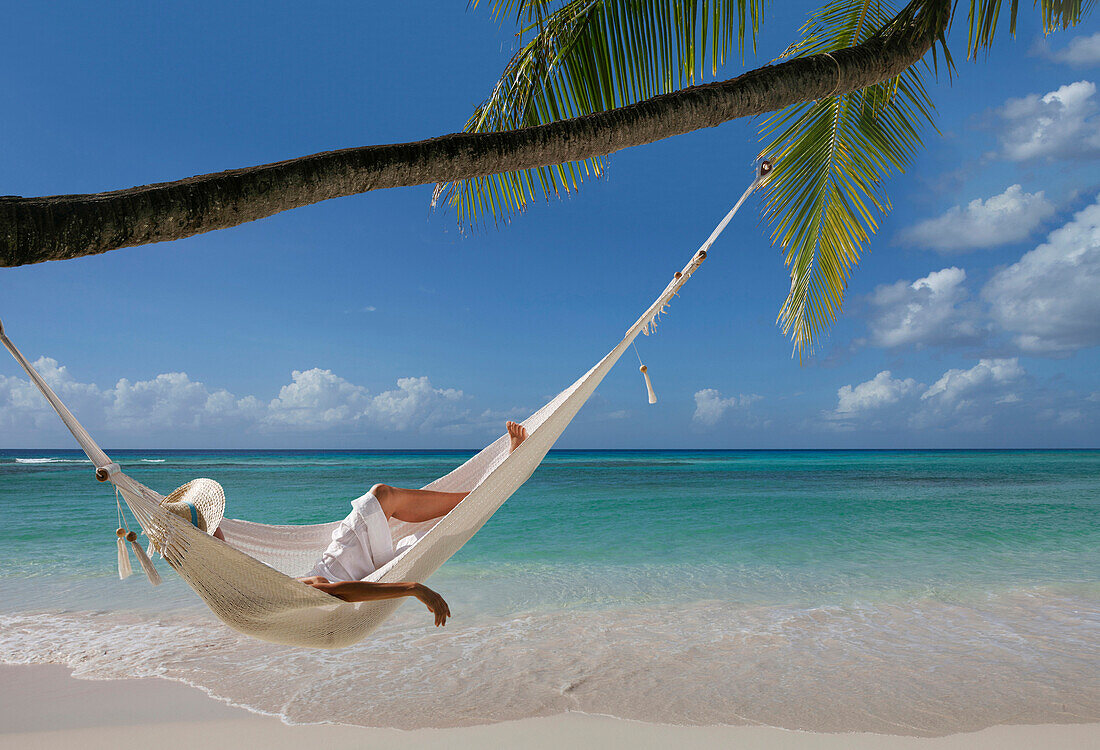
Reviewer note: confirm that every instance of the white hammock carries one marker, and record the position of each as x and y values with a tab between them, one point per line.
248	580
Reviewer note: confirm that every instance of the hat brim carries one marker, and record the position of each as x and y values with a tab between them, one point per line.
205	495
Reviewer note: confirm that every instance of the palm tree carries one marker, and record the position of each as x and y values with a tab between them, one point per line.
592	77
832	152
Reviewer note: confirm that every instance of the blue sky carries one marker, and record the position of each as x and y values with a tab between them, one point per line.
372	322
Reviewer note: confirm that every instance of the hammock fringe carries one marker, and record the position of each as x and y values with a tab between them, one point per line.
248	581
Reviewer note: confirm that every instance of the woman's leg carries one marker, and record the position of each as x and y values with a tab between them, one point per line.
415	506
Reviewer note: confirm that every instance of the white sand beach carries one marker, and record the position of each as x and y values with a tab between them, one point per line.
42	706
325	325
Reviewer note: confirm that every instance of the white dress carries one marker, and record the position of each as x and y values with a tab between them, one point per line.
361	544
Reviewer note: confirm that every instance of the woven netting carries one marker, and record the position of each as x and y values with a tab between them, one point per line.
248	580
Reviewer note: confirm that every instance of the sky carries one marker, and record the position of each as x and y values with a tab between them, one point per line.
373	322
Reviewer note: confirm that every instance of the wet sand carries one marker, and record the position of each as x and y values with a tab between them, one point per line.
42	706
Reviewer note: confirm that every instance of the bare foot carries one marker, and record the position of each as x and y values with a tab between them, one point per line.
518	433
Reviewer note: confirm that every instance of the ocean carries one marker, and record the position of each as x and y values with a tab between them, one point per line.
901	592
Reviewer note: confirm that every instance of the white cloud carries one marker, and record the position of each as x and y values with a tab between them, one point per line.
1082	51
998	220
995	398
1046	302
170	400
1059	124
881	390
1069	416
969	399
931	310
320	399
415	404
171	403
317	399
23	408
1050	298
174	400
955	385
961	399
711	406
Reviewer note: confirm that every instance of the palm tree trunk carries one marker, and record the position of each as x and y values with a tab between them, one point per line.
59	227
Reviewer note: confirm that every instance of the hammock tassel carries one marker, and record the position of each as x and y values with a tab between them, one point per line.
124	569
143	559
648	385
248	588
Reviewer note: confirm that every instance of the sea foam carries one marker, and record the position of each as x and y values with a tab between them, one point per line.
52	461
923	668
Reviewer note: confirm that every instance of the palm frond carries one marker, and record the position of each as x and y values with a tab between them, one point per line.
831	157
1055	14
518	10
578	57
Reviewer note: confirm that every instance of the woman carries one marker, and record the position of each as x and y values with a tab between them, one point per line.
362	543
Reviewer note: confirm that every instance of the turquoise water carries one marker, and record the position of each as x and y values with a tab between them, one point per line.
820	590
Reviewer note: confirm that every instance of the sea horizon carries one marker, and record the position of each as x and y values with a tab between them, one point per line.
460	451
894	591
804	335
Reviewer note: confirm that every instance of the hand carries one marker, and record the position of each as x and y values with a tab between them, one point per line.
324	585
313	580
434	603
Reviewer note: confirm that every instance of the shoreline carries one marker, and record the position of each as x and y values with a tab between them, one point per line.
132	452
44	706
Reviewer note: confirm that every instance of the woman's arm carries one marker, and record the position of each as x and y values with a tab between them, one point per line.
364	591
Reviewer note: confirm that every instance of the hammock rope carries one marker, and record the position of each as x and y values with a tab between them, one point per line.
248	581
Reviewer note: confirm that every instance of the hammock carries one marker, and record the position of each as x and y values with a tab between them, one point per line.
248	581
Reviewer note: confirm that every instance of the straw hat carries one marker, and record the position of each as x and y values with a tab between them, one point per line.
200	502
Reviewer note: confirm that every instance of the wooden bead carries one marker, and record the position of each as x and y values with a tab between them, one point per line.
131	536
643	368
120	533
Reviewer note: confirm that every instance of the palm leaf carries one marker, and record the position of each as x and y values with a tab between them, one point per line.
826	192
1056	14
578	57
